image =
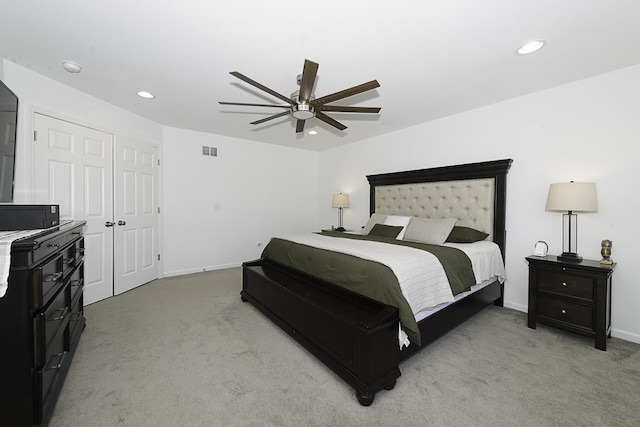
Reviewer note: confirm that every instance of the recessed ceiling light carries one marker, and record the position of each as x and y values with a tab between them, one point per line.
145	94
71	66
530	47
313	132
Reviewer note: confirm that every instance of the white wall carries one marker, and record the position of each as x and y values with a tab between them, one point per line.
44	95
217	209
583	131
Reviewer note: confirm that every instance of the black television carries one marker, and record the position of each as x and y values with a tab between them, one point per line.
8	122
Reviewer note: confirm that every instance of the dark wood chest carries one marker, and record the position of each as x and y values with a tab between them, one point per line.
572	296
41	319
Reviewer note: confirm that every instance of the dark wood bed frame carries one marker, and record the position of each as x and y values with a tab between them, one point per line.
355	336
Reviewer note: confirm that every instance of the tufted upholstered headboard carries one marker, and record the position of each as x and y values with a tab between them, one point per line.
474	193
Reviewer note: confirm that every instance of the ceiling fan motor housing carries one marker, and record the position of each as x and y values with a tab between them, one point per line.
302	111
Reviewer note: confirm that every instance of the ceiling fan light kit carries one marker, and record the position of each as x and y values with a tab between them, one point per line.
302	105
302	111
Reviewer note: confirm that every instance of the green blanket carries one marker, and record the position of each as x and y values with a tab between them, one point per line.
370	278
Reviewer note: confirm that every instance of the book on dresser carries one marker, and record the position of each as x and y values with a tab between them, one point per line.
41	320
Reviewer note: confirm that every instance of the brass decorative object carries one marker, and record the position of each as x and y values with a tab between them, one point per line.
606	252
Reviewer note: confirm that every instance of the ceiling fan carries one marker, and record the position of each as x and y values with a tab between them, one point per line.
302	105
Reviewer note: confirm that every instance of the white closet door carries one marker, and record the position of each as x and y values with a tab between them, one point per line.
73	168
136	214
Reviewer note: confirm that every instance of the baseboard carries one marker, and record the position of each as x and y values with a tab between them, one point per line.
515	306
200	270
624	335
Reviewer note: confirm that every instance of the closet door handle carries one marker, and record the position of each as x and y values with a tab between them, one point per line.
109	224
121	222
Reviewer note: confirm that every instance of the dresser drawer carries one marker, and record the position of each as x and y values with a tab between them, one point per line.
49	247
46	280
565	311
72	254
76	321
49	324
565	282
76	282
49	378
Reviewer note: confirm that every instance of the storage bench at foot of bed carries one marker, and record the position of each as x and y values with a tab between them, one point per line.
354	336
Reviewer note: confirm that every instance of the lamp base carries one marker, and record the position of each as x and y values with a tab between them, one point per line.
570	256
340	229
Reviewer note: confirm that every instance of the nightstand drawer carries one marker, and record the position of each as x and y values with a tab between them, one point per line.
565	283
565	311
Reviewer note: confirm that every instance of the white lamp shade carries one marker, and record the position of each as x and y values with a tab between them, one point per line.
340	201
572	196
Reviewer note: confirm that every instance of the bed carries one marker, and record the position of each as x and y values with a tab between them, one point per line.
359	337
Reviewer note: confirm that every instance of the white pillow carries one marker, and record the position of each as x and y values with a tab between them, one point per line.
429	230
399	220
376	218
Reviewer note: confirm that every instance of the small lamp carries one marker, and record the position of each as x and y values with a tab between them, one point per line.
340	201
571	197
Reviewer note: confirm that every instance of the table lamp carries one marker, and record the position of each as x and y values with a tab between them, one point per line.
571	197
340	201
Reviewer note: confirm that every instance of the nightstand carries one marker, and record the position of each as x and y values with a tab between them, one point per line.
572	296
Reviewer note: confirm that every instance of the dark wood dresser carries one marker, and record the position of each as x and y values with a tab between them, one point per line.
572	296
41	319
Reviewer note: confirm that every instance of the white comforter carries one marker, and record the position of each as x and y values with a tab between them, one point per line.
421	277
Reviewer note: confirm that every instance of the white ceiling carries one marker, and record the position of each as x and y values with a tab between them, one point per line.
433	58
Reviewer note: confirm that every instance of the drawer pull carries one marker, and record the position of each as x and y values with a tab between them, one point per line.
564	283
62	315
59	365
54	277
564	311
54	245
81	250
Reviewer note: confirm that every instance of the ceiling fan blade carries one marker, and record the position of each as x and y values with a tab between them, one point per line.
346	93
300	126
275	116
253	105
308	79
345	109
329	120
261	87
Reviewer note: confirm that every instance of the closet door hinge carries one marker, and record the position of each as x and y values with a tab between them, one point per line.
35	135
158	257
158	209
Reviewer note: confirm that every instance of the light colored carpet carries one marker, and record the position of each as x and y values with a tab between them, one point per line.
185	351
